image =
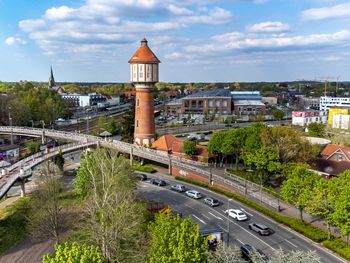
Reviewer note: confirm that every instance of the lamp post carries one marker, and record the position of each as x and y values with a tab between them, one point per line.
246	180
32	123
228	221
87	121
43	123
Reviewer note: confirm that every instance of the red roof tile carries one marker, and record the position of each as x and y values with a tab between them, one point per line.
144	54
330	149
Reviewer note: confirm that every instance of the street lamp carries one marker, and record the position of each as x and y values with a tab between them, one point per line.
228	221
87	121
32	123
43	123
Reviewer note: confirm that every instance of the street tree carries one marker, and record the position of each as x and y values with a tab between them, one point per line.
114	219
45	217
277	114
176	240
74	253
189	148
299	186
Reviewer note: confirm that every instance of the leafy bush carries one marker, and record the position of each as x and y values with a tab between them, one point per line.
338	246
304	228
143	168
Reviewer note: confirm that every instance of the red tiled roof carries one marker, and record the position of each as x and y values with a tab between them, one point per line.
330	149
144	54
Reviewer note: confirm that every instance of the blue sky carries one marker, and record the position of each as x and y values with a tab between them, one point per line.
196	40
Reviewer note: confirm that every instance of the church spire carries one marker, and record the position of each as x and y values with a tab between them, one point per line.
51	79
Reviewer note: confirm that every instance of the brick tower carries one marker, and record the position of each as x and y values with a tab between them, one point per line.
143	74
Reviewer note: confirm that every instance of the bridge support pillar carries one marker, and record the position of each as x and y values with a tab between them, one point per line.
43	138
170	167
23	189
131	156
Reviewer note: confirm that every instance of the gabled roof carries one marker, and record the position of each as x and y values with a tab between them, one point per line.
331	149
144	54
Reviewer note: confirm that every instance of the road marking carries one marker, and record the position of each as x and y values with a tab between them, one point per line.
222	228
246	212
291	243
239	241
262	241
199	219
205	216
215	216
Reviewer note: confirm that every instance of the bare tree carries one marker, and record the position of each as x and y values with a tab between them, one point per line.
45	218
114	218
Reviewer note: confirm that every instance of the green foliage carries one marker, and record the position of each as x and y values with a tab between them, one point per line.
33	147
304	228
299	186
277	114
127	126
189	148
338	246
316	129
82	181
176	240
142	168
74	253
13	223
59	160
215	142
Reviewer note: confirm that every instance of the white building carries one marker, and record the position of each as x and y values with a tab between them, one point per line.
341	121
77	100
304	118
326	102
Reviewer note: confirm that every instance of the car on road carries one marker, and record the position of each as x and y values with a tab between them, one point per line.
194	194
178	188
158	182
236	214
247	252
141	176
260	229
211	201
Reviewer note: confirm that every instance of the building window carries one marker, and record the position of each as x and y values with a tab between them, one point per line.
224	103
138	102
249	109
210	103
340	158
193	103
137	123
187	103
200	104
217	103
240	109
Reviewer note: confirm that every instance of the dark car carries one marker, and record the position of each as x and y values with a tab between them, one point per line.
158	182
211	201
260	229
247	252
141	176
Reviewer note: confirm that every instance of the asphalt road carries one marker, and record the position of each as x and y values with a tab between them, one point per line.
215	218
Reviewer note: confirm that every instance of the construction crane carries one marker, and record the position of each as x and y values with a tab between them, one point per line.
326	82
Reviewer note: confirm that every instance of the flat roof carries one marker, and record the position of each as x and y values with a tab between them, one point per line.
248	102
222	93
175	102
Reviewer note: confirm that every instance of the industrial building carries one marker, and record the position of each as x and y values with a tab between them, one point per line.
327	102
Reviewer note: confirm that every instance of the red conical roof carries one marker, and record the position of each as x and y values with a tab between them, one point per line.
144	54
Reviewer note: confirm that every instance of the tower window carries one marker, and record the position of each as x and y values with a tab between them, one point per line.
138	102
137	123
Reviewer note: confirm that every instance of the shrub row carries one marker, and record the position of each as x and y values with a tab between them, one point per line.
143	168
338	246
304	228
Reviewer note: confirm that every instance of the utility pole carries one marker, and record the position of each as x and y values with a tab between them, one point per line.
10	122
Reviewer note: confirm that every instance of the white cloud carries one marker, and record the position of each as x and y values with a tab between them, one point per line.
11	41
337	11
268	27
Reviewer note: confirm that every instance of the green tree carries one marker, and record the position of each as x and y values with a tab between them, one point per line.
33	147
175	240
128	125
316	129
59	160
322	202
189	148
74	253
114	219
277	114
299	186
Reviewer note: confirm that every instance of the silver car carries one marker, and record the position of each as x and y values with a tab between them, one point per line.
194	194
260	229
178	188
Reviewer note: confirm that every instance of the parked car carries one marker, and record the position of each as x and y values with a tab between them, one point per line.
141	176
247	251
236	214
211	201
194	194
260	229
178	188
158	182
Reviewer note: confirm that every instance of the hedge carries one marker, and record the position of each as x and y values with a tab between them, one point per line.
338	246
304	228
143	168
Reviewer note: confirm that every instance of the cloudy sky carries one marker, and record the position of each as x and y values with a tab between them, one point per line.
196	40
